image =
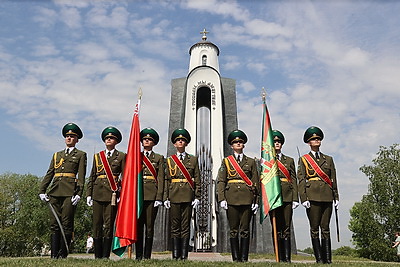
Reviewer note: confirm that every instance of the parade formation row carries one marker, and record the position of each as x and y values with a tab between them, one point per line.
175	184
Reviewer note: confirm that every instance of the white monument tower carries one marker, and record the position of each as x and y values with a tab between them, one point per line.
204	103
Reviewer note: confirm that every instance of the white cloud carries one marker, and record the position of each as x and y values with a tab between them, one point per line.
247	86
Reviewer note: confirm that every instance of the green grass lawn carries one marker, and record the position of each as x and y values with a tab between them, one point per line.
256	258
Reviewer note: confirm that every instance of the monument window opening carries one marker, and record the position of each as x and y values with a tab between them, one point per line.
203	221
204	60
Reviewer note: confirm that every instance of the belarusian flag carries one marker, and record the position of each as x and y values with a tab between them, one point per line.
131	199
271	193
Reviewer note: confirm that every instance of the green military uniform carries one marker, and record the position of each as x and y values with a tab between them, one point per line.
153	189
64	179
99	190
239	197
180	194
284	213
320	196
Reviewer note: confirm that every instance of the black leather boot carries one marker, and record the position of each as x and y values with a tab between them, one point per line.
185	248
235	248
244	249
317	249
148	245
286	247
281	254
64	249
98	248
139	249
107	242
326	251
176	248
55	245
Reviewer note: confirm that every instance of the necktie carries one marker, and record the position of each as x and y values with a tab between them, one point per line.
147	153
180	157
316	155
67	151
108	154
278	157
238	158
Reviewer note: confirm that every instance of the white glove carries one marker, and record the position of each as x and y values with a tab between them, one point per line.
254	208
306	204
195	203
224	204
295	204
336	203
167	204
44	197
75	199
157	203
89	201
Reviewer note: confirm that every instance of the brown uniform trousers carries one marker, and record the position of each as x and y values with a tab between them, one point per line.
180	194
239	197
104	211
284	213
321	196
64	179
153	189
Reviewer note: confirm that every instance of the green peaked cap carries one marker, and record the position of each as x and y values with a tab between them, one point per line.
180	133
113	132
277	135
150	133
72	128
237	135
311	133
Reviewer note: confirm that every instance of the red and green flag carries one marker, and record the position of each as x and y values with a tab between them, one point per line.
271	193
131	199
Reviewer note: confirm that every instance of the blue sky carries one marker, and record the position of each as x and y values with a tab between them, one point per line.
333	64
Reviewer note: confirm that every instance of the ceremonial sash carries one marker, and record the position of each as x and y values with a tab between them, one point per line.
318	170
284	170
239	170
150	166
184	171
110	177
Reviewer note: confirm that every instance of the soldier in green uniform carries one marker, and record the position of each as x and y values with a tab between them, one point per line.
62	187
103	187
284	213
181	192
238	187
153	189
318	190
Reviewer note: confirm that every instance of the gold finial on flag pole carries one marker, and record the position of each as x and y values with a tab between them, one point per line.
263	94
140	93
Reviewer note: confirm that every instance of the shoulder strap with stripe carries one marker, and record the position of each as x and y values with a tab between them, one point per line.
108	171
149	166
284	170
183	169
318	169
239	170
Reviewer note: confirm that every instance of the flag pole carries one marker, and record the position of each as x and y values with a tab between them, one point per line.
130	251
276	247
272	213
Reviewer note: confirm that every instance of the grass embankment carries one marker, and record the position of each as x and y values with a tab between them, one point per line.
256	260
